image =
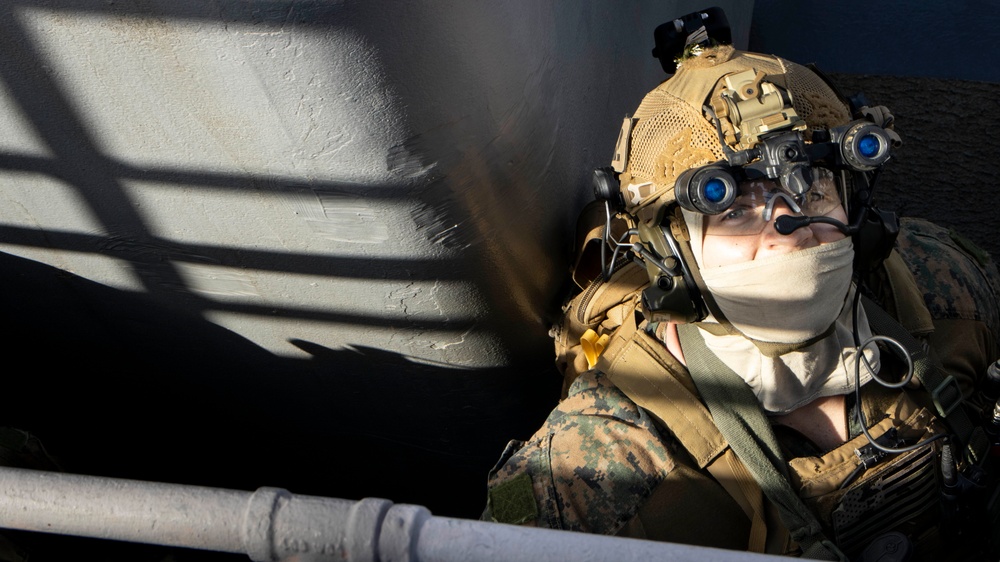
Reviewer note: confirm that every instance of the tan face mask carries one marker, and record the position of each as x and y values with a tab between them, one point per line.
789	298
794	379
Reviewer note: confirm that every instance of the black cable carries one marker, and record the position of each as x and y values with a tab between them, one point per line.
860	347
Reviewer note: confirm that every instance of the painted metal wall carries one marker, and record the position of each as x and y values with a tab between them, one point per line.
318	173
313	244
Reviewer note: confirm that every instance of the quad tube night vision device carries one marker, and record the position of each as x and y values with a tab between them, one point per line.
764	138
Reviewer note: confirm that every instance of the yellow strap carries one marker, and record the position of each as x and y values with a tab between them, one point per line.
593	346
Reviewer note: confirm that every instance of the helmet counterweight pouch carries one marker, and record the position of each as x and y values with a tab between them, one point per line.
599	305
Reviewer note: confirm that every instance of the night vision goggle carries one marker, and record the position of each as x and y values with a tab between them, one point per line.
787	159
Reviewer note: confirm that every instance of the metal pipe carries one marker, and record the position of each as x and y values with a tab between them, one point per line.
271	524
124	510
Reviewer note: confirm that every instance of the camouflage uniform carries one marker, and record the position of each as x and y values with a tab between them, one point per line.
602	464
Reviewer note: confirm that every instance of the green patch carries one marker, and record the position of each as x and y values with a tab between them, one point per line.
975	251
513	501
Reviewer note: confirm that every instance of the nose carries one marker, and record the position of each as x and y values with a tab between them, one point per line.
773	243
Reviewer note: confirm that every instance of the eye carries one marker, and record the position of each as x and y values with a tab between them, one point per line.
820	199
735	213
815	196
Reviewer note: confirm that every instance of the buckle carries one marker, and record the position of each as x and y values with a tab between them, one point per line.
945	405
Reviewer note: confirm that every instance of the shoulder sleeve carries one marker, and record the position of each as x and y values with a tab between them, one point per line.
961	289
589	468
958	279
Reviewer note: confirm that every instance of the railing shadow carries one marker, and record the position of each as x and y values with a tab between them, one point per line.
139	384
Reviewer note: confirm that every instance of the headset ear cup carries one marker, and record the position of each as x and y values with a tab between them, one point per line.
875	239
672	294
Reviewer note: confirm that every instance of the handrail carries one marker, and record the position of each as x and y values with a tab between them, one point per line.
272	524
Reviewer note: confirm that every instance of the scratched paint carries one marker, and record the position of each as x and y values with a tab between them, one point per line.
344	218
218	282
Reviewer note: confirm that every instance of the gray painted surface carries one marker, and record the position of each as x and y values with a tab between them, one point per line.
399	176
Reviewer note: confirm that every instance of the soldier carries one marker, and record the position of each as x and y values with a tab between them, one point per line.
765	365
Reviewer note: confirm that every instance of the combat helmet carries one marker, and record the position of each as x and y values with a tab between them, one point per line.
726	116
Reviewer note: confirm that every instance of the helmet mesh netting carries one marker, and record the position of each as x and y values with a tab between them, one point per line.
671	136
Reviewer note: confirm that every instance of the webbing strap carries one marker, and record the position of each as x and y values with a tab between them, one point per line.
738	416
733	475
637	368
944	389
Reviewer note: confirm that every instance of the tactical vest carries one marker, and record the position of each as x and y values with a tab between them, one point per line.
856	498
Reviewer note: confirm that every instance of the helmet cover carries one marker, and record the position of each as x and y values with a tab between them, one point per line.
672	132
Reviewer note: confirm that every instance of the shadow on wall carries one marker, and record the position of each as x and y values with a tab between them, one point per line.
142	386
116	385
99	181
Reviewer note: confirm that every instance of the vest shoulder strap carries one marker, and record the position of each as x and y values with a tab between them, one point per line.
651	377
641	367
740	419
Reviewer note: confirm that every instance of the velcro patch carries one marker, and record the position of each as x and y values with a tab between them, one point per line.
970	247
513	501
